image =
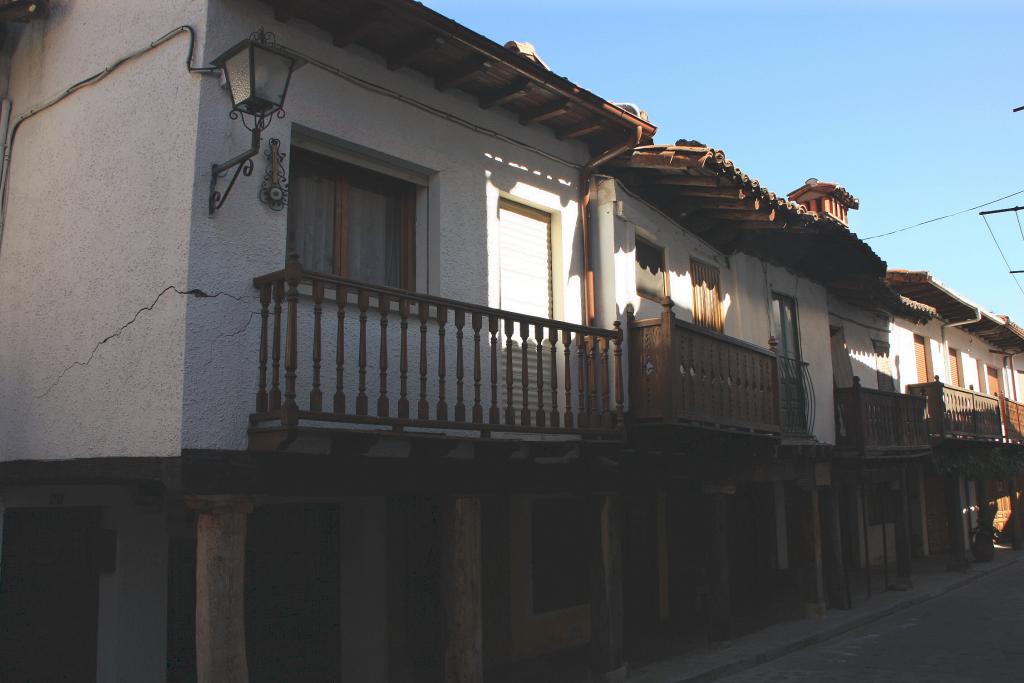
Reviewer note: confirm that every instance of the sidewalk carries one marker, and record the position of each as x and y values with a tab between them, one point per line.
773	642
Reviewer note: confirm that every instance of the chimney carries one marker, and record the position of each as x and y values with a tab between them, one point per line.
821	197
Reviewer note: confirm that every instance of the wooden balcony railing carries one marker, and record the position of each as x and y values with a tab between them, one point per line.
954	413
1013	420
448	364
684	374
872	422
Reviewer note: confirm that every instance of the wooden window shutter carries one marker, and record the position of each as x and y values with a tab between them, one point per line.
921	359
707	296
956	371
993	382
883	367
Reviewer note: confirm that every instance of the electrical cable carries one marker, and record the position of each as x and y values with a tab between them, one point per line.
942	218
1019	226
8	150
1000	249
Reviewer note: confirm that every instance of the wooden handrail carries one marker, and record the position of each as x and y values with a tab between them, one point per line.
956	412
523	398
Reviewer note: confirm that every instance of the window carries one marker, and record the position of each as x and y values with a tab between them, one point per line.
784	326
707	295
524	270
956	371
882	365
650	270
922	360
351	222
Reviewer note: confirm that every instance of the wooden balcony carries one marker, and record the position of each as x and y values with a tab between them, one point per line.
376	358
685	375
954	413
1013	420
872	423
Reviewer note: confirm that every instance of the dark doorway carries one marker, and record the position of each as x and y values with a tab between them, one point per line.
49	595
292	604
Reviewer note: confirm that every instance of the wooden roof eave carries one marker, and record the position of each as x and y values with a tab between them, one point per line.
589	118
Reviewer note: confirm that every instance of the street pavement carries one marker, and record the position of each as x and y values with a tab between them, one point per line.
973	633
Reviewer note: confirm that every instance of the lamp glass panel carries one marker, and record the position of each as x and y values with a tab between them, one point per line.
237	71
270	80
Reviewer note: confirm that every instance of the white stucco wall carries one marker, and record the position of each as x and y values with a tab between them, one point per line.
466	172
97	226
941	339
861	327
747	286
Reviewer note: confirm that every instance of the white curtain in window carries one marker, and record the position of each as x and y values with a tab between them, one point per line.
311	221
374	234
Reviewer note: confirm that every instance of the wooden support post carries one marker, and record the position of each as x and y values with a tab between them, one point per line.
814	583
838	587
463	628
1016	511
720	627
220	590
607	663
904	549
958	560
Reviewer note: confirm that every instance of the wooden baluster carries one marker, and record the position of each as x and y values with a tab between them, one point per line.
340	301
442	404
460	406
594	377
362	404
275	374
383	404
606	385
510	414
316	397
619	403
524	334
423	410
290	409
261	393
494	415
583	419
542	418
553	349
567	373
403	398
478	408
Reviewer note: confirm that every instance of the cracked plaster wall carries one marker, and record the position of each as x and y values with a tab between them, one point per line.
465	172
97	227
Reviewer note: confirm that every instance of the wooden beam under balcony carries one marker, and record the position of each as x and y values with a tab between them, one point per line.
424	44
463	73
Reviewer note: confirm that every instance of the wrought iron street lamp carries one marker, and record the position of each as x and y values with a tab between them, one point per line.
257	73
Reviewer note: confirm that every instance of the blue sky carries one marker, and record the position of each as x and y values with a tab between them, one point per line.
906	104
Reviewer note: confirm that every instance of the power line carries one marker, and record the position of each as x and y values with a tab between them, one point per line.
942	218
1000	249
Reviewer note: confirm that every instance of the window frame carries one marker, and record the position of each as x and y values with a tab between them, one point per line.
344	173
651	244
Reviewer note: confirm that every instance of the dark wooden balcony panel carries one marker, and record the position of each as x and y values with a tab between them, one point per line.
341	351
874	423
954	413
1013	420
686	375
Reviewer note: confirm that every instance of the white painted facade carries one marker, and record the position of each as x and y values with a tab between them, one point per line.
129	158
747	286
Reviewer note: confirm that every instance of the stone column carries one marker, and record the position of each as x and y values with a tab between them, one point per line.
814	584
220	590
904	549
461	583
607	661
